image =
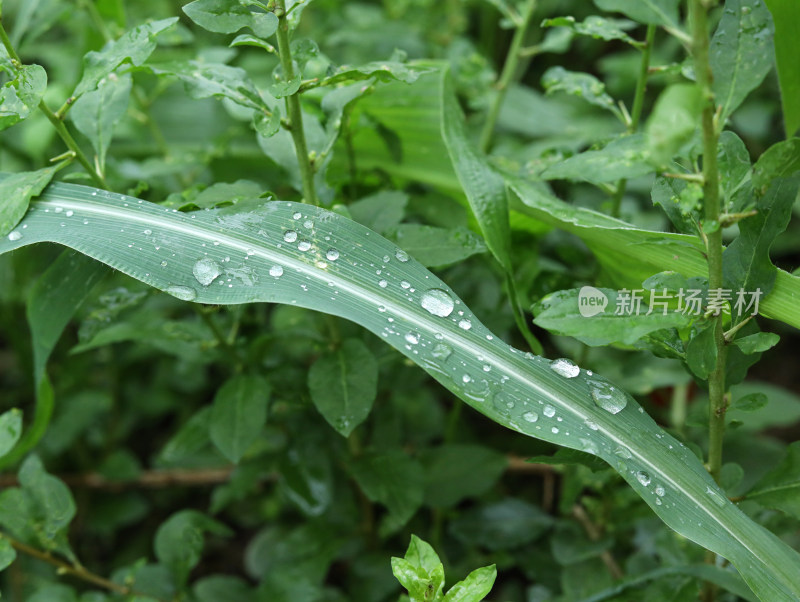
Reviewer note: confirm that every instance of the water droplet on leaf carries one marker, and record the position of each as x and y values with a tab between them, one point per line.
290	236
442	351
276	271
383	284
412	337
437	302
14	236
608	397
643	478
206	270
332	254
530	416
565	368
184	293
464	324
549	411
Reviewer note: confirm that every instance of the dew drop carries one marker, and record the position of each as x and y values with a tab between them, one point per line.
623	452
643	478
164	264
383	284
290	236
565	368
592	425
297	215
332	254
466	379
442	351
660	491
412	337
14	235
276	271
608	397
308	224
405	284
401	255
184	293
148	232
464	324
58	209
530	416
304	245
487	368
206	271
69	213
554	430
549	411
437	302
249	252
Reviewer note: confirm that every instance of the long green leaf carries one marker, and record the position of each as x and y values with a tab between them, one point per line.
786	16
297	254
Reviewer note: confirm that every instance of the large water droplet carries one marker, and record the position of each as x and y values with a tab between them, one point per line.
184	293
206	270
442	351
304	245
14	236
69	213
660	491
383	283
464	324
401	255
332	254
643	478
276	271
290	236
565	368
608	397
437	302
405	284
412	337
549	411
530	416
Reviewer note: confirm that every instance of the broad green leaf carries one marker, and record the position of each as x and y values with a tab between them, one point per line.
701	351
475	587
622	319
222	587
384	71
456	472
7	553
20	96
595	26
750	403
583	85
16	192
393	480
786	17
97	112
673	121
680	200
190	439
380	211
135	46
522	392
781	160
780	488
745	262
229	16
740	52
343	383
421	586
421	554
756	343
178	542
625	157
630	254
483	185
436	247
51	304
306	474
10	430
650	12
504	525
238	415
204	80
733	161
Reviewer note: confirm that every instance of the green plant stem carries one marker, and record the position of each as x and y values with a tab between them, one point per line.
65	568
716	380
59	126
293	109
507	75
519	317
636	112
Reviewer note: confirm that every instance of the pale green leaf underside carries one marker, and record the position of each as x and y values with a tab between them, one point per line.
175	252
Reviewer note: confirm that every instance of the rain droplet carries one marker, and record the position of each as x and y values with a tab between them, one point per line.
332	254
297	215
464	324
592	425
466	378
184	293
164	264
437	302
290	236
58	209
554	430
69	213
249	252
383	284
308	224
565	368
206	271
487	368
276	271
608	397
304	245
442	351
549	411
623	452
412	337
14	235
660	491
530	416
401	255
643	478
405	284
148	232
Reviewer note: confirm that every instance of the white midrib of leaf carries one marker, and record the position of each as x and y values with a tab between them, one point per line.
198	229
